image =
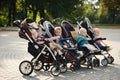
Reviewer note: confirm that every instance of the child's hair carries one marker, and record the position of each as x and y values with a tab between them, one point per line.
83	32
96	29
58	28
82	29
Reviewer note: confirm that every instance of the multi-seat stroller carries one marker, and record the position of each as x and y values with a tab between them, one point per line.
49	28
87	56
41	52
44	58
71	55
85	23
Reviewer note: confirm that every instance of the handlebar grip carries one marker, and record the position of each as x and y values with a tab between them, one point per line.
17	23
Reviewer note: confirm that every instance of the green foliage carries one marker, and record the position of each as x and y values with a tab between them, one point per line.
3	20
102	11
113	10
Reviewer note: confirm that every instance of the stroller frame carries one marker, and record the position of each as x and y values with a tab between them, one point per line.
28	69
89	62
107	59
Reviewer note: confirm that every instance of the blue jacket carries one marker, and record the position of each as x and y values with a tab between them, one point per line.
81	41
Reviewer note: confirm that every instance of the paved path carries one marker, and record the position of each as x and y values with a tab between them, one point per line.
13	50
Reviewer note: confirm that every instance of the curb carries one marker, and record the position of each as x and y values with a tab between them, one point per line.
8	29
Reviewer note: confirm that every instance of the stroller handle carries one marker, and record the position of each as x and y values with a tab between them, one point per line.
17	23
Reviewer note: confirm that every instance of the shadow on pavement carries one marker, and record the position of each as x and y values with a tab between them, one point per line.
98	73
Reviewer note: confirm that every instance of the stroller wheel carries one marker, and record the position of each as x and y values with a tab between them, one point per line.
83	61
75	65
72	67
90	65
55	70
96	62
63	68
38	65
46	66
104	62
109	60
26	68
112	59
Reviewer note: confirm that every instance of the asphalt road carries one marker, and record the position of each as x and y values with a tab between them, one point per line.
13	50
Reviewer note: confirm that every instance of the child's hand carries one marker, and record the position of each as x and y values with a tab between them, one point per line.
76	45
46	39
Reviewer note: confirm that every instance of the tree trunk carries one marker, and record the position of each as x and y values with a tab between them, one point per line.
42	13
24	9
9	14
13	10
34	14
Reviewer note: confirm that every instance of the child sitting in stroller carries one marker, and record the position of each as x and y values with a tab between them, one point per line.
67	45
99	40
61	40
83	42
55	43
39	38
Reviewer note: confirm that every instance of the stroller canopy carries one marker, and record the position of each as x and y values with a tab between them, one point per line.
88	26
66	28
26	25
49	28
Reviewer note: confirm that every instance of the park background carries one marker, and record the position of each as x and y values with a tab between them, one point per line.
100	12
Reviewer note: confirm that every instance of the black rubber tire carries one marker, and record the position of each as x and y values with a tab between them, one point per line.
112	59
63	68
46	67
109	60
104	62
38	65
83	61
96	62
55	70
72	67
26	67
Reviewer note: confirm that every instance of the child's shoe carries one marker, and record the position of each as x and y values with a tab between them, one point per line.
109	48
96	50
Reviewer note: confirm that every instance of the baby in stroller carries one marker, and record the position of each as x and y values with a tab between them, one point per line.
92	40
83	41
40	38
55	45
99	40
63	42
71	54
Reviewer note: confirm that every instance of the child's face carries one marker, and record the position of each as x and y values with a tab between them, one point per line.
96	33
83	33
34	33
58	32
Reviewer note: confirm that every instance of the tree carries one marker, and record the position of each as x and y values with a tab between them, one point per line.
60	8
113	7
9	6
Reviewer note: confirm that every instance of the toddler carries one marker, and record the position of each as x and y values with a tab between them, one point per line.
99	40
82	41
